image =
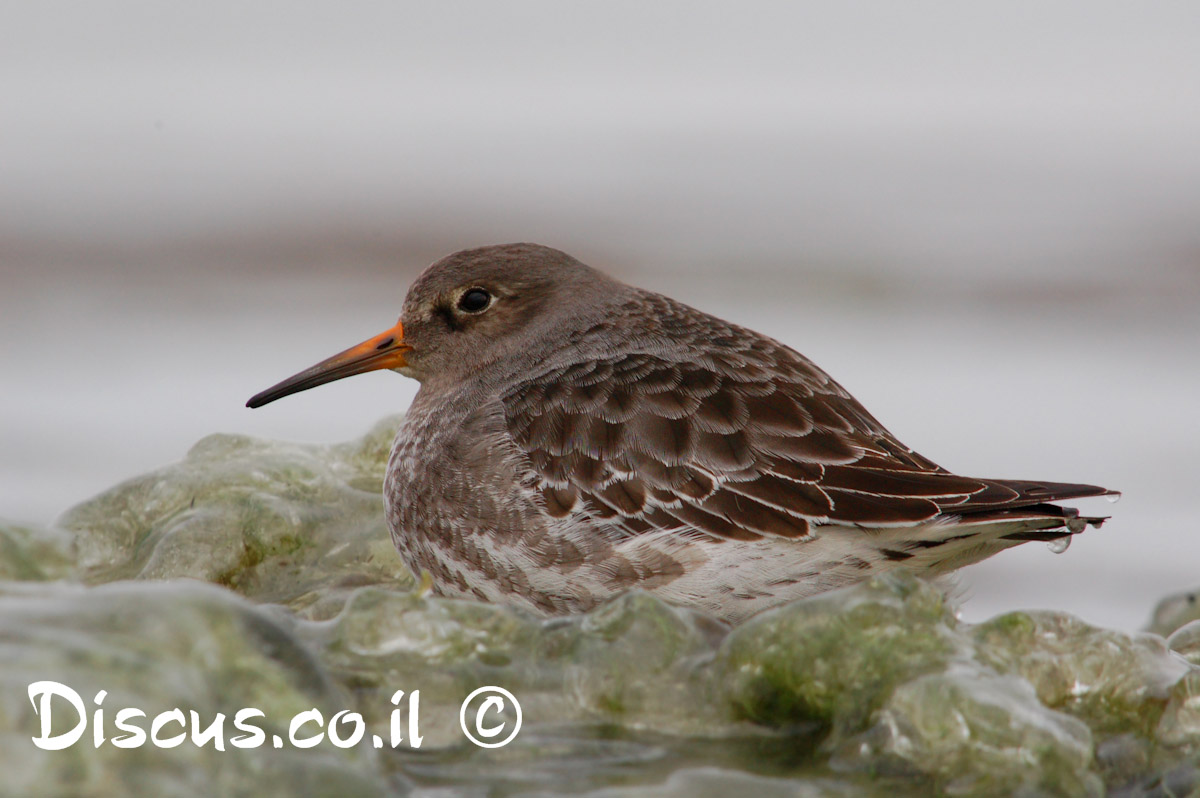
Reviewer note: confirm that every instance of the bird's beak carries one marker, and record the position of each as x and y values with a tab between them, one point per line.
384	351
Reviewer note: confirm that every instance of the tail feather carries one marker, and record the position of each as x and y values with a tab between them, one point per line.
952	542
1006	513
1020	494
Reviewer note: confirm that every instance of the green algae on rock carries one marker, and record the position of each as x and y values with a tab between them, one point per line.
876	689
974	732
712	782
1114	681
942	720
34	554
634	660
1014	705
287	523
1174	612
159	647
1179	725
834	658
1185	641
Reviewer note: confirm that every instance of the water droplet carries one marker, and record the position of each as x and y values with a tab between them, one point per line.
1060	545
1113	498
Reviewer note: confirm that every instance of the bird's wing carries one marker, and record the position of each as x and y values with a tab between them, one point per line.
734	443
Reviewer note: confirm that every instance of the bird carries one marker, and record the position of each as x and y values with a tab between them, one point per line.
574	437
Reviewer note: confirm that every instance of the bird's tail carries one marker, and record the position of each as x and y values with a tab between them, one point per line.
1017	512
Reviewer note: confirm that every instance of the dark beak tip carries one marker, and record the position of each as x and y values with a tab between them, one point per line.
259	399
383	351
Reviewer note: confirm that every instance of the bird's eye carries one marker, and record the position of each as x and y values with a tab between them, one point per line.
474	300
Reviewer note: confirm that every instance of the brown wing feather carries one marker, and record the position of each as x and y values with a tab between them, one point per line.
744	438
1004	494
716	448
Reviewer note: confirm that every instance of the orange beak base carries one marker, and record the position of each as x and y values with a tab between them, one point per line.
384	351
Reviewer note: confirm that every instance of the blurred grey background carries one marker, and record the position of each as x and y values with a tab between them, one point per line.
982	218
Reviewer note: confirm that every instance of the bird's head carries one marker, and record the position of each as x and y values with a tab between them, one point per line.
466	312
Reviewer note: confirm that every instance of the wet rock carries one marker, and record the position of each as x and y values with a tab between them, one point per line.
384	641
1179	726
642	662
1113	681
971	731
876	689
160	647
34	554
1175	611
300	525
1185	641
1124	756
835	658
1183	780
634	660
710	782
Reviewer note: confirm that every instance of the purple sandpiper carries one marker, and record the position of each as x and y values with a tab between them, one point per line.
574	437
